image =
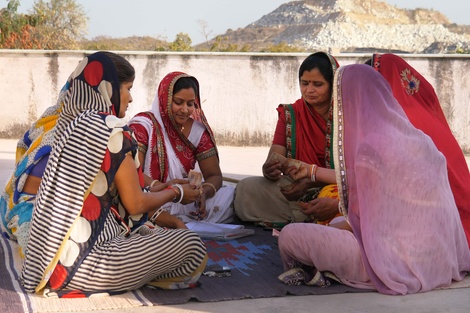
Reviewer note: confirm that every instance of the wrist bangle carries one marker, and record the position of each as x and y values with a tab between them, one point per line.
176	188
313	173
155	215
212	186
154	182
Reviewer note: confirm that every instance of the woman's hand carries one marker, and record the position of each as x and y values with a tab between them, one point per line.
180	181
272	170
159	186
322	209
190	193
201	211
303	171
299	189
272	167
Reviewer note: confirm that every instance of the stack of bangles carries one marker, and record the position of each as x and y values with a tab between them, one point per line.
313	173
212	187
178	189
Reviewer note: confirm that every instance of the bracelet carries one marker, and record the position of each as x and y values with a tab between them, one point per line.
313	173
212	186
154	182
155	215
176	188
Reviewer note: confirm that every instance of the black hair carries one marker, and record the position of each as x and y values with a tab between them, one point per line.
185	83
368	62
125	71
322	62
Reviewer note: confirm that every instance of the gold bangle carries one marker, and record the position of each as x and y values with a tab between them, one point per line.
154	182
212	186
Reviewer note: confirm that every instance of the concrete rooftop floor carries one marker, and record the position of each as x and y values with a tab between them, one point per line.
238	162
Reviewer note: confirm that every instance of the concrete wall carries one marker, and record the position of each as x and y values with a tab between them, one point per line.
239	91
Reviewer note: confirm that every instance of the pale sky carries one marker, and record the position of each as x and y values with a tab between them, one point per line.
166	18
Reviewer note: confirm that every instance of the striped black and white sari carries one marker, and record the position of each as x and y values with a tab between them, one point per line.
82	240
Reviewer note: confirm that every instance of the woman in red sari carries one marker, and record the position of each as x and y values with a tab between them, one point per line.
421	104
173	137
301	133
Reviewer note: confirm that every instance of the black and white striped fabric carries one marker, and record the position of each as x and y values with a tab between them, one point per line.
77	239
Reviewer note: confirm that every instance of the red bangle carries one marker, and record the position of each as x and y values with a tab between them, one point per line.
173	189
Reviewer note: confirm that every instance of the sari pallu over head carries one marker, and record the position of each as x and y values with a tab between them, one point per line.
16	206
394	189
69	213
421	105
307	133
167	145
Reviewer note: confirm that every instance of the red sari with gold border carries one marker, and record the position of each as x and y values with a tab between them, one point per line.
421	104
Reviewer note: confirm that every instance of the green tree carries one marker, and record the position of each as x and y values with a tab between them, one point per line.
181	43
16	29
61	25
461	50
222	44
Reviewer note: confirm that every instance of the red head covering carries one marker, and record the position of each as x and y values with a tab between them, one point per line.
304	132
165	99
420	103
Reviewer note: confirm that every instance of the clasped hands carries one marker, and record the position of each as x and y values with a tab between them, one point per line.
278	166
191	193
301	175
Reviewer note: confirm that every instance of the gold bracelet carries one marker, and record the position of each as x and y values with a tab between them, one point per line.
212	186
154	182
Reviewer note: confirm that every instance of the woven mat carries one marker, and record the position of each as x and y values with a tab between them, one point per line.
255	264
254	260
14	299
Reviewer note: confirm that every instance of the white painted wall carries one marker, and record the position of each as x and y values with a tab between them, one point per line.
239	91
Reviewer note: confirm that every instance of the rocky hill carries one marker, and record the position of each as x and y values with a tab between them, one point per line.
353	26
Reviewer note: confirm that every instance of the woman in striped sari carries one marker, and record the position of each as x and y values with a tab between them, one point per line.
90	230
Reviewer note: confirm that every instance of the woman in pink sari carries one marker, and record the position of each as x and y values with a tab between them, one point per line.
420	103
405	231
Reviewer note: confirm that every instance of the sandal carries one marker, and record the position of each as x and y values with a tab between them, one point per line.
318	280
293	277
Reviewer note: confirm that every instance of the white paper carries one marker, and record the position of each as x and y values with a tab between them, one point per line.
218	231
